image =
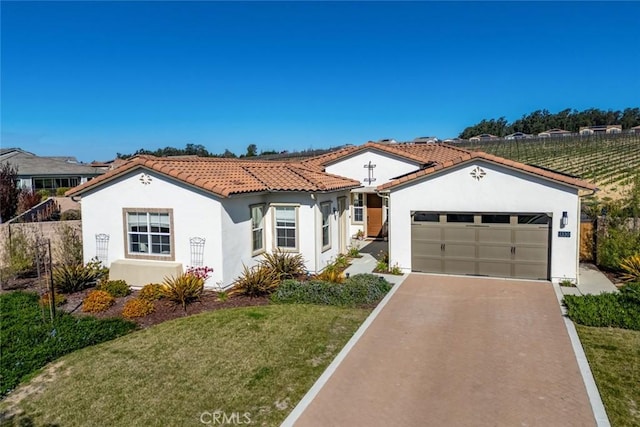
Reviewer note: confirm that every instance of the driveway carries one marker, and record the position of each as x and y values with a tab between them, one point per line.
457	351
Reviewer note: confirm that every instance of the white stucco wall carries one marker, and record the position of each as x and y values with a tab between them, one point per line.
502	190
195	214
387	168
225	223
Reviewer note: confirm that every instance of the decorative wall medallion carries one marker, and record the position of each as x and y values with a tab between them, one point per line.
145	179
478	173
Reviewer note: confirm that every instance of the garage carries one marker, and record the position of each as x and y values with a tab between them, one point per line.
512	245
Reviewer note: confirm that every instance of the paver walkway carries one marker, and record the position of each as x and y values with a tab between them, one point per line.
455	351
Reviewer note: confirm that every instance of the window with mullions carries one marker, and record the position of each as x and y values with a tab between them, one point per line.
357	201
149	233
325	208
286	229
257	229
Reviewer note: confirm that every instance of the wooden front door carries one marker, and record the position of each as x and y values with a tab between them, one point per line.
374	215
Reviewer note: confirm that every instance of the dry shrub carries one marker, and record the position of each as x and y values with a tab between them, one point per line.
97	301
137	307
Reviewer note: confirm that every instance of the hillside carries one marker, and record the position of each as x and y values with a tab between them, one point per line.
608	160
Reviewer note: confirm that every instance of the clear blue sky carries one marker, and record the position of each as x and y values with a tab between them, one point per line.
92	79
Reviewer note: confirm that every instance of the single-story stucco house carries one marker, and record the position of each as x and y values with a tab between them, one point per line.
443	209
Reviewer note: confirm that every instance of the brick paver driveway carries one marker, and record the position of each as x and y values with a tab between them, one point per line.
452	351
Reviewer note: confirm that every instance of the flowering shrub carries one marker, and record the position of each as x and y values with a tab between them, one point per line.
151	292
200	272
97	301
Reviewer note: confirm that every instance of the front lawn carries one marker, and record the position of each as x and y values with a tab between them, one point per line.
614	358
251	363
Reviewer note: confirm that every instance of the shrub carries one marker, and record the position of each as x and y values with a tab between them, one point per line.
630	294
27	199
285	265
60	299
137	307
97	301
74	278
353	252
61	190
201	272
382	267
70	215
21	251
151	292
44	195
631	268
30	341
361	289
331	273
396	270
257	281
182	289
606	309
116	288
341	261
68	249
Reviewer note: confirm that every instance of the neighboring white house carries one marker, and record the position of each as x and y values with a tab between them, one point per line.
443	209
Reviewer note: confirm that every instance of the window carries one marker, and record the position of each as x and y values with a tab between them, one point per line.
460	218
325	208
495	219
358	207
149	233
286	233
426	217
257	229
51	184
533	219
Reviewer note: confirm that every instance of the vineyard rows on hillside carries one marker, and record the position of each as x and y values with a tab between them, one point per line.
610	161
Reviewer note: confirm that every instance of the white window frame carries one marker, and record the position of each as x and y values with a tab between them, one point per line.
128	233
325	212
259	227
354	207
296	228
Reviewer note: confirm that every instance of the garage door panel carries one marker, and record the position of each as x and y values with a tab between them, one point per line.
459	266
463	250
533	235
494	235
426	232
530	271
426	248
494	268
462	234
531	253
427	264
501	252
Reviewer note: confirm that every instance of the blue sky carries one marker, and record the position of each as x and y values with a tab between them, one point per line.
92	79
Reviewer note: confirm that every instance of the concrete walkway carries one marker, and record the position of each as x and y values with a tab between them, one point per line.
369	250
450	350
591	281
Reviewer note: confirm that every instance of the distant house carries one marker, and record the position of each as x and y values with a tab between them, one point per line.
603	129
426	140
552	133
518	135
635	129
454	140
47	173
483	137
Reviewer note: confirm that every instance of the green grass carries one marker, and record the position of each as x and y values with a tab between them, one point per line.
256	360
29	340
614	358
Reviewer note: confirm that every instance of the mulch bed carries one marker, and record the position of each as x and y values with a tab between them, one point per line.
164	310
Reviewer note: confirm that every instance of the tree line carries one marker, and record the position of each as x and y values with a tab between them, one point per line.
541	120
195	150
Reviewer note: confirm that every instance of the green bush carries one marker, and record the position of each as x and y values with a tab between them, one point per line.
618	244
70	215
61	190
618	310
257	281
29	341
182	289
74	278
151	292
117	288
21	251
285	265
361	289
44	195
68	249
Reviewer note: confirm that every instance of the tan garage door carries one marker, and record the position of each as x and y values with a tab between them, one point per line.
485	244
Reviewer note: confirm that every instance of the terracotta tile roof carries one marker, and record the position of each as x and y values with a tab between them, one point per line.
225	177
467	156
419	153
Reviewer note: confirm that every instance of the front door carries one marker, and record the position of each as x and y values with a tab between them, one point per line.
374	215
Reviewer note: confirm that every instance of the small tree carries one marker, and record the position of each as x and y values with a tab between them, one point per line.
252	150
9	191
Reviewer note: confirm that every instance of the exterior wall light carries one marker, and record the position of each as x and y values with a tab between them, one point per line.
564	221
